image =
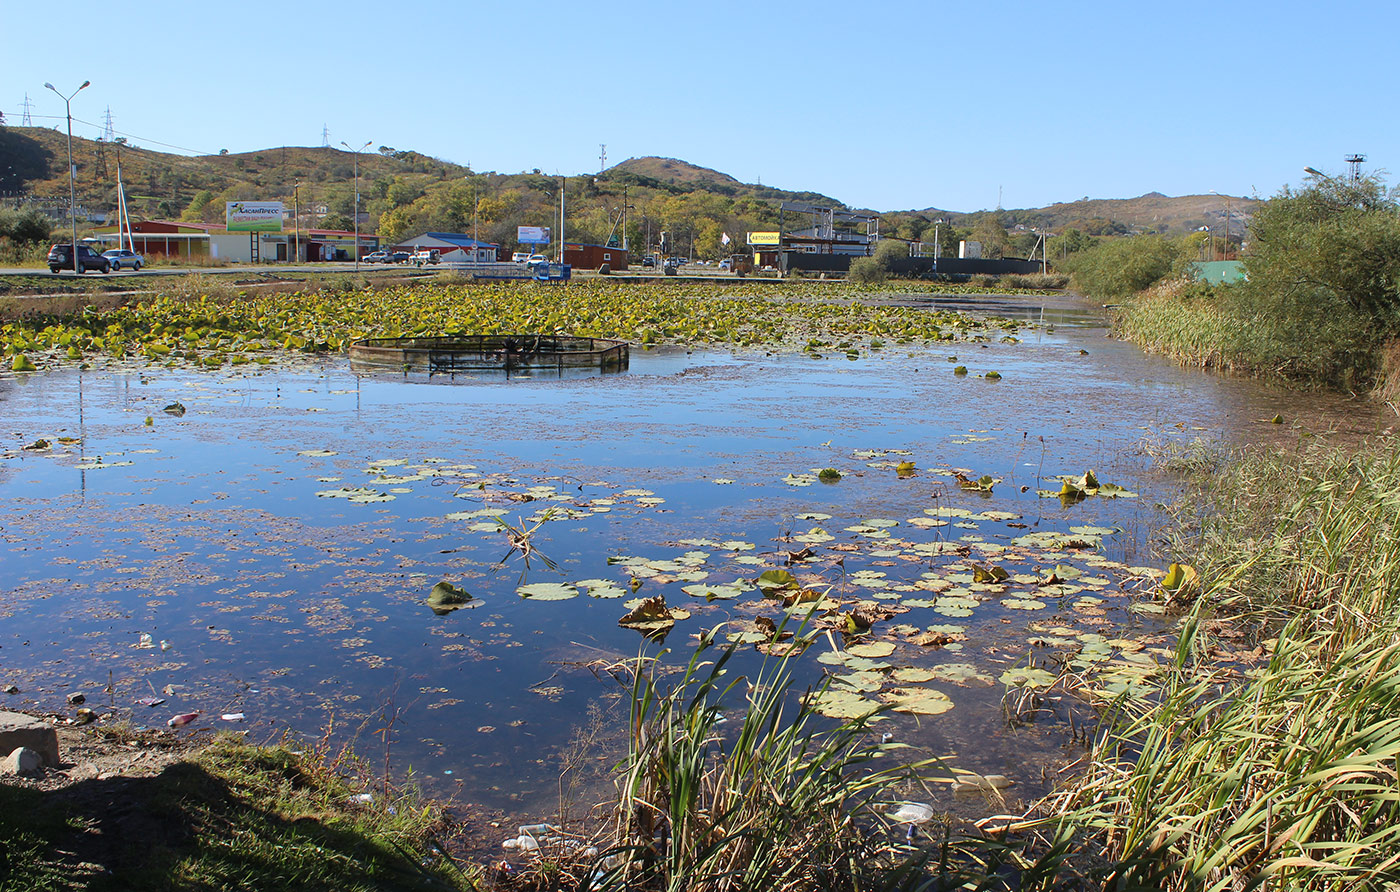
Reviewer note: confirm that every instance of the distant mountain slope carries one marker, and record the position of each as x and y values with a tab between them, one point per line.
1153	212
429	191
673	170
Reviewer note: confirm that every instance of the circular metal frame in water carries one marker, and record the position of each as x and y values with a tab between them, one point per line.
457	353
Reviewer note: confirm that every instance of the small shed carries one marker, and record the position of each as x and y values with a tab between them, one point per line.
582	256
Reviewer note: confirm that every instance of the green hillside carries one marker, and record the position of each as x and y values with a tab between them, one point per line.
405	193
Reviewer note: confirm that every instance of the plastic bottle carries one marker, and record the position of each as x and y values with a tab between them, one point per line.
538	830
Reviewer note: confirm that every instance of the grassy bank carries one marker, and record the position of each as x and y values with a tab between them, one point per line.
228	817
1317	340
1268	757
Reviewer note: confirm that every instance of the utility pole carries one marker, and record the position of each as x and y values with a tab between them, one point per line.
296	222
563	185
27	120
357	197
624	218
602	157
72	189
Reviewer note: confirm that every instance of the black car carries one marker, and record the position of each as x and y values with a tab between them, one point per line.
399	257
649	261
61	257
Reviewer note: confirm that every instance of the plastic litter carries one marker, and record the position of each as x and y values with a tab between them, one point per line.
232	716
911	813
972	784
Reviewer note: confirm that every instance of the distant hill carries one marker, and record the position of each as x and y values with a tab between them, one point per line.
1153	212
162	184
675	171
404	193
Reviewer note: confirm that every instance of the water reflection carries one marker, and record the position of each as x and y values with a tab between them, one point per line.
284	534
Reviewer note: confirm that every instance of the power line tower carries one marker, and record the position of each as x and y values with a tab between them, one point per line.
602	157
1355	162
325	136
28	120
107	132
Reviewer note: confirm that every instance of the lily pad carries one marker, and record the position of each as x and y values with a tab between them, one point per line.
841	704
918	701
713	592
547	591
446	597
1027	677
873	649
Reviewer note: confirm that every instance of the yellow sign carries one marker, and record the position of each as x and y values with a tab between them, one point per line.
765	238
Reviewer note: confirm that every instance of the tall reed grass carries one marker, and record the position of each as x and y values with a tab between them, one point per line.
1282	775
782	799
1311	338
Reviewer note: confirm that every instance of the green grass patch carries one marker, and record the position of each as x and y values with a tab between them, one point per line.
232	817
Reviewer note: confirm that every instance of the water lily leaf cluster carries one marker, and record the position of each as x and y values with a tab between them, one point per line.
256	328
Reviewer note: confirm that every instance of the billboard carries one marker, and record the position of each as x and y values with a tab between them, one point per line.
532	235
253	216
765	238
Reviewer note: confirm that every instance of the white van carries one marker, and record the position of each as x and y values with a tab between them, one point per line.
520	257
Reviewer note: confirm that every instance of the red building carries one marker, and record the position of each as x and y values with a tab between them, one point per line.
581	256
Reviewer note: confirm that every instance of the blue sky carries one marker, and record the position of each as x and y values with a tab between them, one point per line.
886	105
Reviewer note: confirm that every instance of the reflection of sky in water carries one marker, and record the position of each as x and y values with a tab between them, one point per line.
289	607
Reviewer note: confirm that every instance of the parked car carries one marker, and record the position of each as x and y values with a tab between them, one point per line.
725	265
649	262
121	258
429	255
520	257
377	257
535	260
399	256
61	257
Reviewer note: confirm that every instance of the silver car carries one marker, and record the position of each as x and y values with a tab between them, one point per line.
120	258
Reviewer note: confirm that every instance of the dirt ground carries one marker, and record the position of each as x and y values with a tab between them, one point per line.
88	752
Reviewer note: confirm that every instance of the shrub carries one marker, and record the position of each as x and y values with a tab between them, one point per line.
866	271
1117	268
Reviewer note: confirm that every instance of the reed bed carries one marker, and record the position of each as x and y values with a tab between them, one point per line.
1277	776
781	799
1308	338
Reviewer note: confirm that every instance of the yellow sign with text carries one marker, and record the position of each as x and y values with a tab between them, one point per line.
765	238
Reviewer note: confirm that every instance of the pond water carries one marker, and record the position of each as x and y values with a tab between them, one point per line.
270	551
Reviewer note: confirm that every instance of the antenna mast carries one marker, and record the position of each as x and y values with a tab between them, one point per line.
325	136
602	157
1355	161
28	120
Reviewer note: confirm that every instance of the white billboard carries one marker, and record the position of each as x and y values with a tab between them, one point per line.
253	216
532	235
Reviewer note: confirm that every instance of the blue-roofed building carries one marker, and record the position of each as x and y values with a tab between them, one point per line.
453	247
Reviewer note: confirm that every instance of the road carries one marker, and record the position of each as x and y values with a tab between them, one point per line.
236	269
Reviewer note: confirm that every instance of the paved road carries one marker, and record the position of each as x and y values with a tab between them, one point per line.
238	269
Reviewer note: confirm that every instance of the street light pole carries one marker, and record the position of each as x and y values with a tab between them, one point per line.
357	198
72	190
296	222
